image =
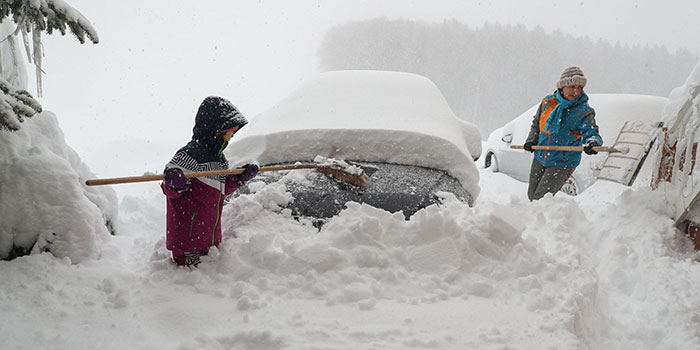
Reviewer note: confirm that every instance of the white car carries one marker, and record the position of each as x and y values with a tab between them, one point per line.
612	110
398	126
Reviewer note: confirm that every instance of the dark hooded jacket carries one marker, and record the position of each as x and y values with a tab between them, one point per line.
193	219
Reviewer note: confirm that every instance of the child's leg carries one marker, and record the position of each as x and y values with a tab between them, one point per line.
179	257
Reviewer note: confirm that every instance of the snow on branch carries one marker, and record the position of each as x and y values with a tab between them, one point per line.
49	15
38	16
15	105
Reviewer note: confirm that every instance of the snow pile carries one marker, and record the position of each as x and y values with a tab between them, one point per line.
43	199
368	116
601	271
647	270
440	252
338	164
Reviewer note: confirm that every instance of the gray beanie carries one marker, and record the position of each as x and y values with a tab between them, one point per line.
570	77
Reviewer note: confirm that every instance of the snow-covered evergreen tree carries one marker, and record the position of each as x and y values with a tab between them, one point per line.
48	15
30	17
71	225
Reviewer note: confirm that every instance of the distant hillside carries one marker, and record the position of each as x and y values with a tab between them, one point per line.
491	74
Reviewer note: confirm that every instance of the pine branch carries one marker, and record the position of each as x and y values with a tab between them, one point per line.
49	15
15	106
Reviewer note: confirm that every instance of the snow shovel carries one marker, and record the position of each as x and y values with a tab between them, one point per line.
338	169
627	154
637	137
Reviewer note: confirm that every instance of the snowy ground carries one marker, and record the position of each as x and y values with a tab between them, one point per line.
604	270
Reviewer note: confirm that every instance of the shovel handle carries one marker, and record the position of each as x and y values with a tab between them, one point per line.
568	148
145	178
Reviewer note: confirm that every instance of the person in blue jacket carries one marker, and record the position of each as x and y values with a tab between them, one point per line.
564	118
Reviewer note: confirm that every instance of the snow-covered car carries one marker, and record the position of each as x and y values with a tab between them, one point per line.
612	110
397	126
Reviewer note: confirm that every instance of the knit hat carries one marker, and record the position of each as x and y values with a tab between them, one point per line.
570	77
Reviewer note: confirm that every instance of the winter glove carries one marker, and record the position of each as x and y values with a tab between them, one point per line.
588	148
250	171
176	180
528	147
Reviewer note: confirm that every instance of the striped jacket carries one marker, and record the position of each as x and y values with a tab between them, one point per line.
193	219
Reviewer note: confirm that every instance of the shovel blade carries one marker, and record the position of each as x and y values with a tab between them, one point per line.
637	137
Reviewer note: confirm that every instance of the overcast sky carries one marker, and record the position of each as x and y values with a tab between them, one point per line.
158	59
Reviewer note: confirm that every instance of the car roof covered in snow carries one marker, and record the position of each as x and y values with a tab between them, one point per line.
374	116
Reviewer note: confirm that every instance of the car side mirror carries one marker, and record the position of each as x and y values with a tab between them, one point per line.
507	138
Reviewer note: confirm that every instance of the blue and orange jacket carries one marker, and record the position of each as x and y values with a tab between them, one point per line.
577	128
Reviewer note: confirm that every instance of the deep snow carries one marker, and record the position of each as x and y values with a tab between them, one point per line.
41	193
605	270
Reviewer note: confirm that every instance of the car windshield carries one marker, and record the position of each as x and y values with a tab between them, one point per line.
392	187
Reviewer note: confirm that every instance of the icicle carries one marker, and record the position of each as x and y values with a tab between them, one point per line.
1	59
36	38
25	40
14	78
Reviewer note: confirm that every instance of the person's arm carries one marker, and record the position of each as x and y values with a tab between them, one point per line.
233	182
534	136
589	129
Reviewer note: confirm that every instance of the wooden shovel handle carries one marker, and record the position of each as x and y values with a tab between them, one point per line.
568	148
145	178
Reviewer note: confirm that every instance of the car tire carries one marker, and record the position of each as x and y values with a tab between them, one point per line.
570	187
490	161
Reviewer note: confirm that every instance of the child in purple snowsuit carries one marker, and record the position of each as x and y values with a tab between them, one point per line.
194	206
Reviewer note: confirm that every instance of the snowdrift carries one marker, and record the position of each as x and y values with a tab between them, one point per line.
44	204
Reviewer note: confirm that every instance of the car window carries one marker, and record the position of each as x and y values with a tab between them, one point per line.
522	125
